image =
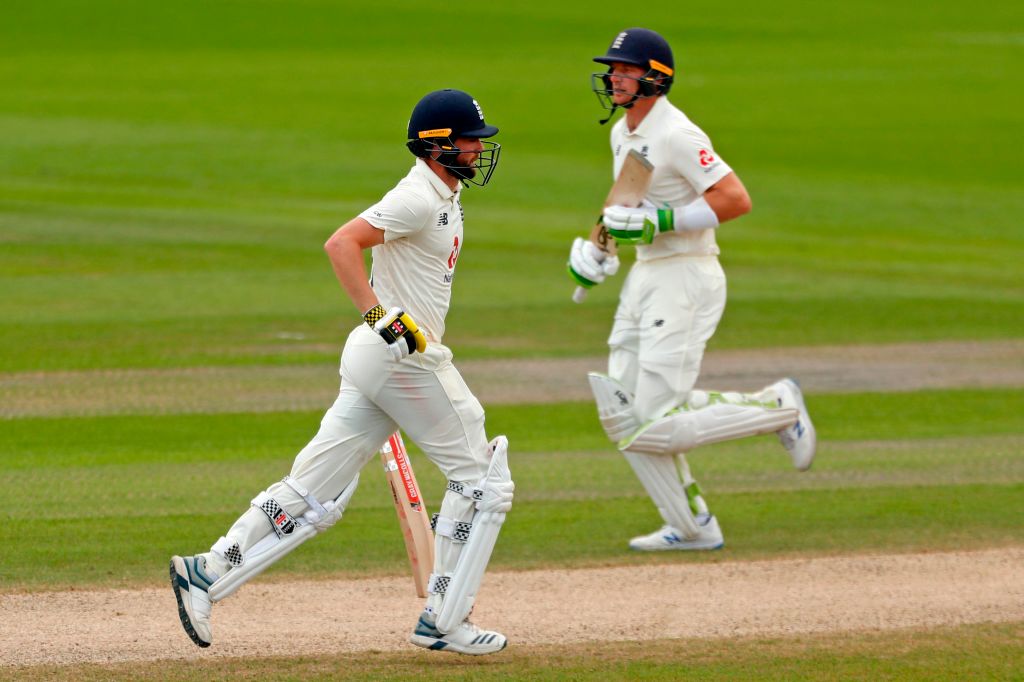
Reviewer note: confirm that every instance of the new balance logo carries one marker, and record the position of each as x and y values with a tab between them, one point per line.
442	219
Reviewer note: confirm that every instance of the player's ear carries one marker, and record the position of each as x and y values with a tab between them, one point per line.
421	148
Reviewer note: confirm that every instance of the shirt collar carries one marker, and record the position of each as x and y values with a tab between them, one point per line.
442	189
651	119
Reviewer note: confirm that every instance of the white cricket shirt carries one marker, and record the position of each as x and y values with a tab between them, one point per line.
685	165
414	267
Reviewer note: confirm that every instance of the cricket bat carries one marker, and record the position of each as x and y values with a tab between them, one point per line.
629	189
411	509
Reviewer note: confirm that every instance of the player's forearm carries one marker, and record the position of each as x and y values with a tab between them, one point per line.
725	200
347	261
728	198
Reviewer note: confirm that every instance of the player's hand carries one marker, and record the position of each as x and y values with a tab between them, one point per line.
637	225
398	329
589	265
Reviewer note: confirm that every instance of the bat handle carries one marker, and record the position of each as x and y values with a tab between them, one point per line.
579	295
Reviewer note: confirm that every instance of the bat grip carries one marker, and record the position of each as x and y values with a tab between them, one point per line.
579	295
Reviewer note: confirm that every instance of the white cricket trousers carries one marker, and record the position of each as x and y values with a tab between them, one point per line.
423	394
668	310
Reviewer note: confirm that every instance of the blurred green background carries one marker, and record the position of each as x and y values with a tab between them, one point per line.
169	172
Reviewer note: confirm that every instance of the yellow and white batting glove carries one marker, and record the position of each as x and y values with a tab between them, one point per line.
398	329
640	225
589	265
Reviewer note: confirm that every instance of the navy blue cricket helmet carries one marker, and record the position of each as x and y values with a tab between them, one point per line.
440	118
639	47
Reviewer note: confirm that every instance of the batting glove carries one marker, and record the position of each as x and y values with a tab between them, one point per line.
398	329
638	225
641	225
589	265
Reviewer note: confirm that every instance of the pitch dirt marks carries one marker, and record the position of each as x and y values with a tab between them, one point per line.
820	369
726	599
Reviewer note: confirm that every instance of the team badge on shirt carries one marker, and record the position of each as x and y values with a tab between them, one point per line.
452	257
707	160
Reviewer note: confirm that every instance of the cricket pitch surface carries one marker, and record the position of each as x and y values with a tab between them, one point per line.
727	599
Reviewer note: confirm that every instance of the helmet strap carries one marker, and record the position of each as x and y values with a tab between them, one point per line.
627	105
610	114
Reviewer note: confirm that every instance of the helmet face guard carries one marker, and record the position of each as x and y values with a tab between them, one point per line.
446	153
651	84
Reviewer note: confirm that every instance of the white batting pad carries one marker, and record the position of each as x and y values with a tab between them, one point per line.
495	502
708	418
273	546
660	479
614	406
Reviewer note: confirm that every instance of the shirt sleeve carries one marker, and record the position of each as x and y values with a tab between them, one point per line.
400	213
695	159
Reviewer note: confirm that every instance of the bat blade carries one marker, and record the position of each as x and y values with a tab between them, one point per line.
411	510
629	189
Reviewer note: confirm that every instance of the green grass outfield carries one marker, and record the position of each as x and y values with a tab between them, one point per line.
896	472
169	172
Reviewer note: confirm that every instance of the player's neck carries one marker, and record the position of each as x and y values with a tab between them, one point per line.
444	174
638	112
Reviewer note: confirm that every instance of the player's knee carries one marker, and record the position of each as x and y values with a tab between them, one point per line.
615	406
676	432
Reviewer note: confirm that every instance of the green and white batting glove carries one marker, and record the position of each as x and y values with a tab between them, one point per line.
637	225
589	265
641	225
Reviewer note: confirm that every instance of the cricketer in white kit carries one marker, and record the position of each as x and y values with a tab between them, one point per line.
395	373
672	301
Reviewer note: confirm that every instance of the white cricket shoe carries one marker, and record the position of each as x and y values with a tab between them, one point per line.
709	536
191	585
799	439
465	639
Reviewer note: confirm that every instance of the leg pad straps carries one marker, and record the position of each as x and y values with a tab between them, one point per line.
280	520
458	531
286	536
438	584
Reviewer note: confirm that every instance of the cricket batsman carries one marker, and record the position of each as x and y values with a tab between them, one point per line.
672	300
396	372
